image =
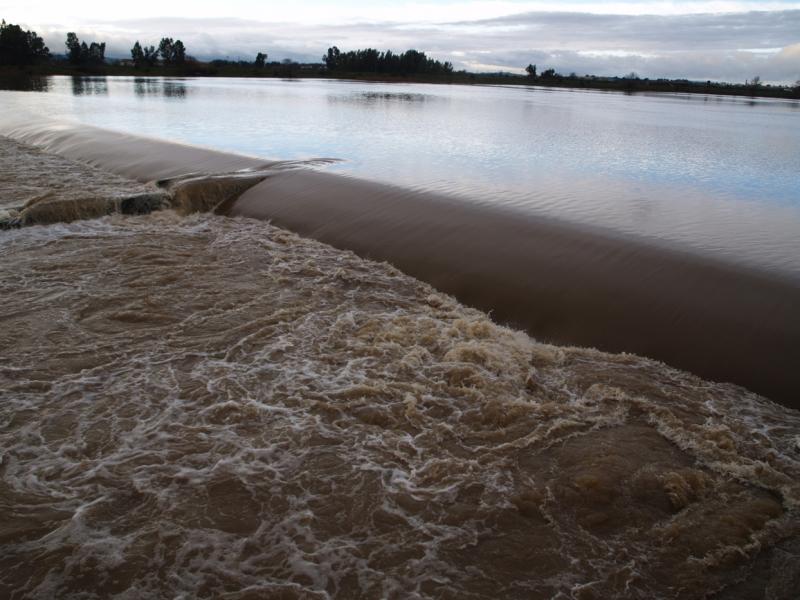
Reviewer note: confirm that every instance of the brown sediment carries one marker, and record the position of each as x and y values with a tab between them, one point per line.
560	282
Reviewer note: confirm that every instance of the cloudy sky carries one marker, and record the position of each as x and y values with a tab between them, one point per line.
719	40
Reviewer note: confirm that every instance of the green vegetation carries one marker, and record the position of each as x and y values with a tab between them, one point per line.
78	53
23	52
146	56
372	61
633	83
172	52
19	47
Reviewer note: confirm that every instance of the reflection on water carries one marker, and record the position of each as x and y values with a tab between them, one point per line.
80	85
24	83
146	86
174	88
156	87
403	103
721	100
89	86
709	173
389	97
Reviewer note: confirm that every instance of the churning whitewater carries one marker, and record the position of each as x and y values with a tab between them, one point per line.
201	406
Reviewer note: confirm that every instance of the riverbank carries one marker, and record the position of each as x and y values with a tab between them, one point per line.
215	406
11	75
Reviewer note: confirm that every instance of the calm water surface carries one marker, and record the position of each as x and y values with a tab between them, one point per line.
713	174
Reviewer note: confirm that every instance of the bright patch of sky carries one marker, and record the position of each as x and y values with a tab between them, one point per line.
728	40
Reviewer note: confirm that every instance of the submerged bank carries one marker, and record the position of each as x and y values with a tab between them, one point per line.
208	407
561	282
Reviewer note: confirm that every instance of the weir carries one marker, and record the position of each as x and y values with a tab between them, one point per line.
562	283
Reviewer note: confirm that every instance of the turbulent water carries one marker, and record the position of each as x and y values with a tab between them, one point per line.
37	187
204	406
561	282
201	406
29	176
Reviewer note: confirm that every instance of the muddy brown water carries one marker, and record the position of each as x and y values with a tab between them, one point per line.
200	406
562	283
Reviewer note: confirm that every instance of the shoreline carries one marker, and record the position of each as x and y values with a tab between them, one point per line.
566	83
561	283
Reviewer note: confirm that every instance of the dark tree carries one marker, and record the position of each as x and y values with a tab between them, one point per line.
73	48
178	53
373	61
20	47
137	54
172	52
144	56
165	49
331	58
531	71
79	53
150	56
96	53
261	60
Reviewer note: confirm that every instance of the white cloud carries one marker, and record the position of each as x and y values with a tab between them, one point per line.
721	45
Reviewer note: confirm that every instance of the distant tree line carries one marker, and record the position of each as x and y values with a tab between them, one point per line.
547	74
79	53
21	47
632	82
259	63
373	61
170	52
144	56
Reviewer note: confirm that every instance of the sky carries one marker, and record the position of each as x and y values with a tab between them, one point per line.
721	40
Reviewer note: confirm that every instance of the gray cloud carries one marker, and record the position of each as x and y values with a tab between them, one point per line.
735	66
731	46
757	29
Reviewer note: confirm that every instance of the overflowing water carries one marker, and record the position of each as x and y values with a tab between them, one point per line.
712	174
561	282
209	407
194	405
